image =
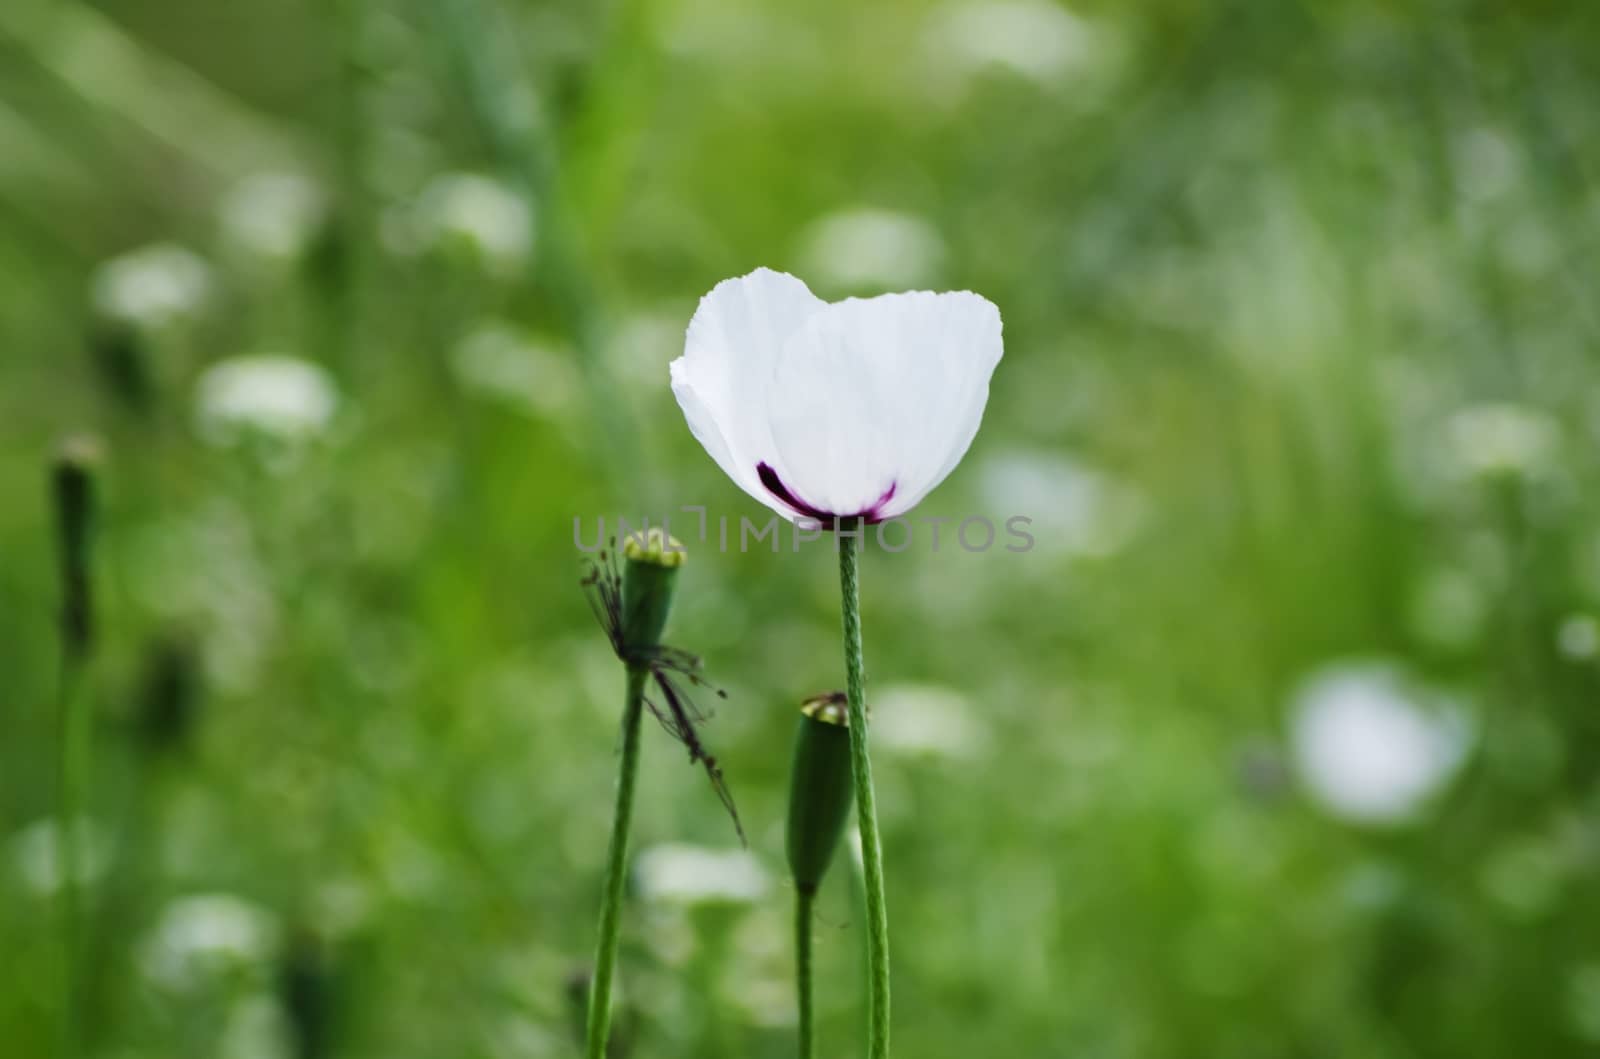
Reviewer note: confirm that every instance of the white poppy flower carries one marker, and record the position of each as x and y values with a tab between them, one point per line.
836	410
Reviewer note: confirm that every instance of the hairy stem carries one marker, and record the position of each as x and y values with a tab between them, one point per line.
866	802
605	959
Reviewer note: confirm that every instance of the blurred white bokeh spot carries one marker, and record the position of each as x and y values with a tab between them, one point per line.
1372	746
272	216
926	720
203	937
497	361
1579	637
154	286
872	248
1033	39
1502	438
680	873
37	855
285	398
1075	509
643	340
476	213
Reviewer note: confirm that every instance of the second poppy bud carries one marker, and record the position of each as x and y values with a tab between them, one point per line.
820	788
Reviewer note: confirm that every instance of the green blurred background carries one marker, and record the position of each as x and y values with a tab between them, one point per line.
1281	742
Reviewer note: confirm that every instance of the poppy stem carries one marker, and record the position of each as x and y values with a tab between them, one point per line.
605	960
72	769
72	482
803	902
866	802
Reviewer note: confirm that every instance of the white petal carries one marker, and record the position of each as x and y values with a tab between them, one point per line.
729	358
875	401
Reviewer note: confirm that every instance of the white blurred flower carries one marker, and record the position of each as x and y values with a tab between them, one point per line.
679	873
154	286
36	853
1579	637
1502	438
1035	39
873	248
478	213
497	361
282	397
206	936
1076	510
640	340
1370	747
914	719
272	215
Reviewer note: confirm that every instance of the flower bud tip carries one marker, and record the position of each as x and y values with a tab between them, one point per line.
654	546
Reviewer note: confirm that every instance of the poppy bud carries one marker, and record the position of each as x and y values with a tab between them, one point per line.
120	353
169	693
307	990
72	488
820	788
649	577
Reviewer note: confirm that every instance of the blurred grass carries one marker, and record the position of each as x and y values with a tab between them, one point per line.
1259	264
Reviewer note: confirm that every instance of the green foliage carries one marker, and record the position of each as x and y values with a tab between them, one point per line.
1300	372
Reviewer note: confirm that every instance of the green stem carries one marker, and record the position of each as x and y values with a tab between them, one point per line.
72	769
803	903
866	802
605	960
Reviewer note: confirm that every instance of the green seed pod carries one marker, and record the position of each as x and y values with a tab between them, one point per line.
649	577
820	788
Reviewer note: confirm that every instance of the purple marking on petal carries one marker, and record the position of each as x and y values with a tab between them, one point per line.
871	514
874	514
